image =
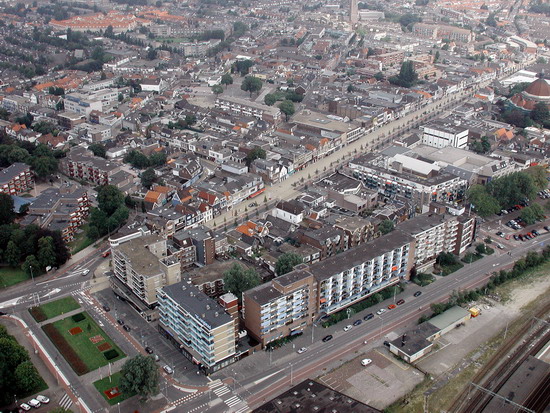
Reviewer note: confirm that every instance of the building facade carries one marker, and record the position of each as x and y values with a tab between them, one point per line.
79	164
16	178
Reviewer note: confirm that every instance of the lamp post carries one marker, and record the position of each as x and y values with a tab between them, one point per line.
32	276
381	326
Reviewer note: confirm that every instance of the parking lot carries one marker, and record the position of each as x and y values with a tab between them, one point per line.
147	335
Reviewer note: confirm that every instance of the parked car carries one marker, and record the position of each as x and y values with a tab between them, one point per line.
25	406
500	234
499	246
391	306
121	322
168	369
106	308
148	350
508	237
387	343
348	327
400	302
34	403
366	362
418	293
381	311
547	228
368	316
42	399
302	350
126	327
357	322
327	338
516	237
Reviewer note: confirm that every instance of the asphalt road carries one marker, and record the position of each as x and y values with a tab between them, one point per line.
266	380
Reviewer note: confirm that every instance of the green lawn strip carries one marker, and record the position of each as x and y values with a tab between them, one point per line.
448	269
80	241
108	383
58	307
10	276
86	350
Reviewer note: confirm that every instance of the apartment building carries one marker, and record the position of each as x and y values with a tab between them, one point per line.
289	303
63	209
197	326
440	31
16	178
328	240
440	134
245	107
140	268
81	164
413	179
437	233
358	230
81	103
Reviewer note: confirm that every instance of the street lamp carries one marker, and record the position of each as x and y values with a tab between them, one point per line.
32	276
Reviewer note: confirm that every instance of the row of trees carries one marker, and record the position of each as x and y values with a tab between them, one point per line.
18	376
139	160
28	247
39	157
507	191
271	98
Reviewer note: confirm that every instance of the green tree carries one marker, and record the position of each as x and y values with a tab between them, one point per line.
251	84
350	88
109	198
26	377
239	279
239	28
148	177
287	107
217	89
379	76
485	204
46	252
532	214
137	159
540	113
152	54
190	119
243	66
255	154
491	21
227	79
480	248
287	262
140	375
7	214
446	258
386	226
17	154
31	266
436	57
98	150
407	75
12	256
44	166
157	158
93	233
270	99
539	175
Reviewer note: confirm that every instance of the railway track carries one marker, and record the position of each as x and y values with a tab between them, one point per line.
500	373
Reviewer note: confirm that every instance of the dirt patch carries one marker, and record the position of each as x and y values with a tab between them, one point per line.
75	330
523	295
96	339
104	347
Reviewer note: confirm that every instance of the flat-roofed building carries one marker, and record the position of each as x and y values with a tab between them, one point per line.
16	178
197	326
245	107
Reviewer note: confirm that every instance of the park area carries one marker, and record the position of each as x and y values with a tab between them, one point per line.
83	343
53	309
109	387
10	276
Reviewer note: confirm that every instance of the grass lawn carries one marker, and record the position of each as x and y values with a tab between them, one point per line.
448	269
80	241
81	343
58	307
11	276
108	383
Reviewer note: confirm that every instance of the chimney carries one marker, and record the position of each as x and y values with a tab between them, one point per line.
403	340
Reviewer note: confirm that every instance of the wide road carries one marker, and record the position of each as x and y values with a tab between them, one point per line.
285	189
257	379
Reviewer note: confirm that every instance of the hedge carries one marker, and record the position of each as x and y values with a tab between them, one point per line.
65	349
38	314
78	317
111	354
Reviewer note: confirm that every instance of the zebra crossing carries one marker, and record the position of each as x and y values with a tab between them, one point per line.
235	403
65	402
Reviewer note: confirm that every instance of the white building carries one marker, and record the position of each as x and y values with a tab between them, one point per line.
440	134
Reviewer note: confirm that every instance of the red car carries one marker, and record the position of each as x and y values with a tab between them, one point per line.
391	306
106	254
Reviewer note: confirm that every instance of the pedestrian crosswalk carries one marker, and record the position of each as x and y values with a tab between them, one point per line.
234	402
65	402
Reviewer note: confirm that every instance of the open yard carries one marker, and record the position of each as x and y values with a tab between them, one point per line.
109	387
10	276
54	308
86	340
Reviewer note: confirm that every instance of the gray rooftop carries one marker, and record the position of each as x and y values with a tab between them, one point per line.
421	223
6	175
451	316
197	303
143	261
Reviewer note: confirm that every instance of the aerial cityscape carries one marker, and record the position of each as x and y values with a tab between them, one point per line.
237	206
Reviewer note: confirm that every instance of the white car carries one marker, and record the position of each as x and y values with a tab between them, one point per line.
381	311
42	399
34	403
302	350
85	272
366	362
168	369
25	407
348	327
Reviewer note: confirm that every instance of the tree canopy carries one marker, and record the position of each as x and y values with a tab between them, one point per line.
251	84
140	375
148	177
98	150
532	214
287	262
7	215
227	79
287	107
255	154
407	75
239	279
386	226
